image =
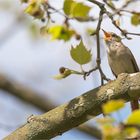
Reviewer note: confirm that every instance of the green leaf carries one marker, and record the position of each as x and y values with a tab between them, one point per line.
55	31
80	54
112	106
67	6
76	9
91	31
80	10
135	19
35	10
60	32
134	118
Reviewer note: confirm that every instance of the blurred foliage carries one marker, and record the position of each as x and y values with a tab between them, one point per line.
75	9
112	106
60	32
19	19
42	11
112	129
134	118
135	19
34	9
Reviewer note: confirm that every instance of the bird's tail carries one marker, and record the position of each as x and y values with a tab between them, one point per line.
134	104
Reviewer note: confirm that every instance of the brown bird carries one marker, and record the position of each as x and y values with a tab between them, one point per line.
120	58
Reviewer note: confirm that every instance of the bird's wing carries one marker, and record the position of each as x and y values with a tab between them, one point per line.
133	60
113	72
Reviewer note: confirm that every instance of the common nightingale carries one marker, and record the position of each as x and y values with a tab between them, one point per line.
120	58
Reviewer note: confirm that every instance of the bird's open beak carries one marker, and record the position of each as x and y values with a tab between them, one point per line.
107	36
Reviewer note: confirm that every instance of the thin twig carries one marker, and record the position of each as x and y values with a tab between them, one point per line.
130	12
109	5
98	59
127	3
124	32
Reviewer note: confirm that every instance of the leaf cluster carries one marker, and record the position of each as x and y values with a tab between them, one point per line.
112	129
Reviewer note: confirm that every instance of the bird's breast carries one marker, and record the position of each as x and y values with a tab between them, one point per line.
120	62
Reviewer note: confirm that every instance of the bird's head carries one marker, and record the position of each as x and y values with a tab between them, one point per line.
111	37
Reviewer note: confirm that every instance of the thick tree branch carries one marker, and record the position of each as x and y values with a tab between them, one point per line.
75	112
24	93
35	99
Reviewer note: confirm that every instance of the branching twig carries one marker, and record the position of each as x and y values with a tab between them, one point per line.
110	15
98	60
130	12
127	3
122	7
109	5
124	32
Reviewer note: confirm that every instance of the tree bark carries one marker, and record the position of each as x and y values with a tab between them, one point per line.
78	110
31	97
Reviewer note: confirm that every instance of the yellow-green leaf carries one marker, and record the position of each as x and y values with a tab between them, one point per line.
67	6
34	10
91	31
80	10
135	19
76	9
60	32
112	106
55	31
80	54
134	118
